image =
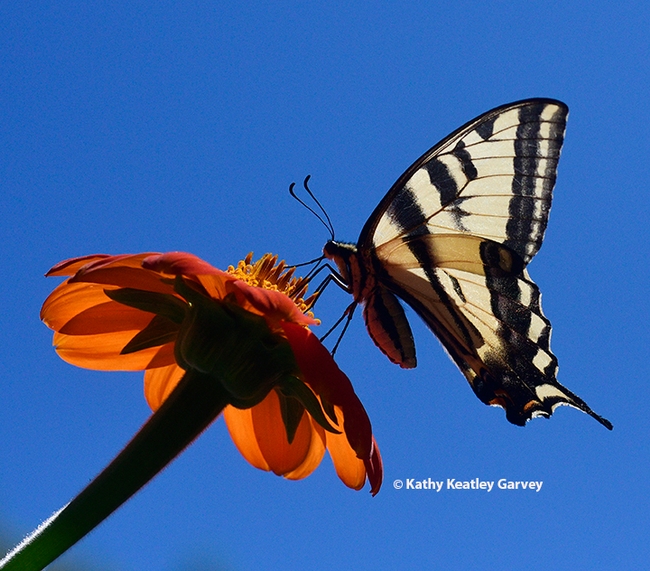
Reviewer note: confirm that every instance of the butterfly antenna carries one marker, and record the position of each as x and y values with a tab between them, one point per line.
324	221
329	224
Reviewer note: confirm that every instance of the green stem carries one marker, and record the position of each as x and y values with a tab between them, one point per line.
192	406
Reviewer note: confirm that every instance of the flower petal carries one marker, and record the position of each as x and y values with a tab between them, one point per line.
314	455
123	271
261	438
181	263
273	305
333	386
190	266
349	468
102	352
374	469
103	261
240	426
271	436
106	317
323	375
73	265
68	301
91	330
159	383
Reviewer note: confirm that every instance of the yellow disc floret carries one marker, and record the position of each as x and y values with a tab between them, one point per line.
267	273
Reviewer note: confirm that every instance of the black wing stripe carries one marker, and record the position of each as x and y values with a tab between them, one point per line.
527	225
503	311
465	158
406	211
441	178
426	261
485	129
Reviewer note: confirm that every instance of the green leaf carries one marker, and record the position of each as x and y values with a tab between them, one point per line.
164	304
293	387
328	407
159	331
292	413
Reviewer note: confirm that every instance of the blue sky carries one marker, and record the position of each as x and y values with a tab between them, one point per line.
164	126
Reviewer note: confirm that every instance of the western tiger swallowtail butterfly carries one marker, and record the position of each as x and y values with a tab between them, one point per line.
452	239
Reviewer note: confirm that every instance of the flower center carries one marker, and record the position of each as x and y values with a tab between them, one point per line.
267	273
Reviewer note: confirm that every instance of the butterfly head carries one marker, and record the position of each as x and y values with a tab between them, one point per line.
345	256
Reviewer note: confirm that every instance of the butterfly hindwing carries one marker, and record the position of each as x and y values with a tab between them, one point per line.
479	301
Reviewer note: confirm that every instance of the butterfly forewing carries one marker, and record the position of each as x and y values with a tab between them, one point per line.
492	178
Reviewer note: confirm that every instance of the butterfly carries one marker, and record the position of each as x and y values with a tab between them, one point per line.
452	239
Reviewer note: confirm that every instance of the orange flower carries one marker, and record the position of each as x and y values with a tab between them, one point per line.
174	314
